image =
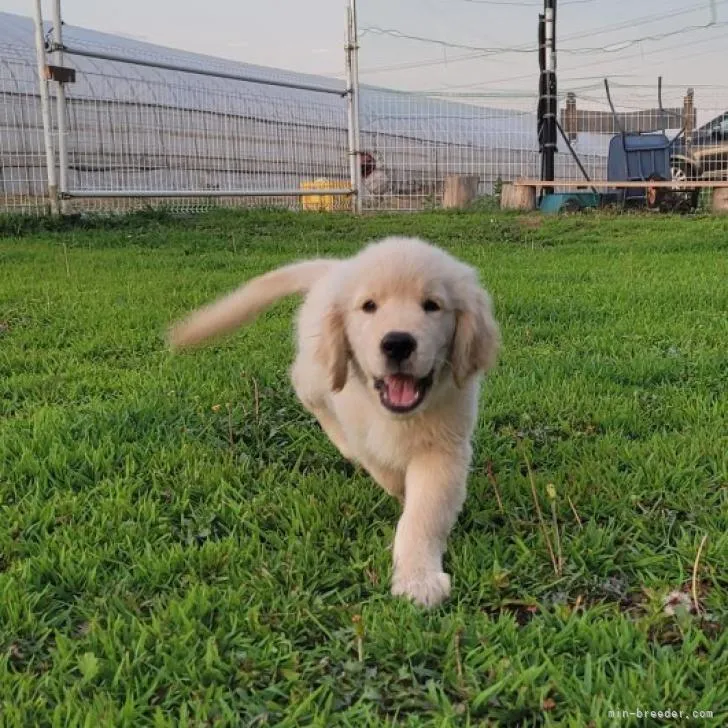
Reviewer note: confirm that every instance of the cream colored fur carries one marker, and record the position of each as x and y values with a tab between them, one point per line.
421	458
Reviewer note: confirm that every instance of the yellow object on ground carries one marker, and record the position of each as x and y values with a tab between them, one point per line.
326	203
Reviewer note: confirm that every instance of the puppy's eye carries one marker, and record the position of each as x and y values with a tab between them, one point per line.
369	306
429	305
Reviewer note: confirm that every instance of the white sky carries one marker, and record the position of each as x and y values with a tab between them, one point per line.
308	35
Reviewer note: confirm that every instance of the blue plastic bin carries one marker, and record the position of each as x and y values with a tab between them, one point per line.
635	157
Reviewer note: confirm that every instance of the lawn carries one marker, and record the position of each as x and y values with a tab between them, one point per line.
181	545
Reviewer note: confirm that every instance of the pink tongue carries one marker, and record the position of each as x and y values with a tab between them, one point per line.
401	390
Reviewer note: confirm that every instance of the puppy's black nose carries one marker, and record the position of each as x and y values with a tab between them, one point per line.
398	345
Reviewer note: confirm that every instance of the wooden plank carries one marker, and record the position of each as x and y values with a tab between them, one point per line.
603	122
605	184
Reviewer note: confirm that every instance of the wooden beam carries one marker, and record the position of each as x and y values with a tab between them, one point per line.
615	184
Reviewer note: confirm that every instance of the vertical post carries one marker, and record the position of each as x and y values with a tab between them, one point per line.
352	98
551	110
688	121
45	107
570	117
355	88
60	107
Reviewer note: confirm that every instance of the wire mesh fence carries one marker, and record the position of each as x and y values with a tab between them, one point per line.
430	141
23	181
190	131
172	136
468	72
139	135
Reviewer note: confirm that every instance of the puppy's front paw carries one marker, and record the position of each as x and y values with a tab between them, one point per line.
426	588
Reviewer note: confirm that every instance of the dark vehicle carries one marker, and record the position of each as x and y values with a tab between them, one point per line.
706	156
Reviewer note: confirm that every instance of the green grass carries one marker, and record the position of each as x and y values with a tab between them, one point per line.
180	544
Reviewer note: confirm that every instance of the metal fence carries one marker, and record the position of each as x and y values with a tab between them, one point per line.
145	125
23	180
139	125
470	70
164	139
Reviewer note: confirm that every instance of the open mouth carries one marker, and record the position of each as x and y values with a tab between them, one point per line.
402	392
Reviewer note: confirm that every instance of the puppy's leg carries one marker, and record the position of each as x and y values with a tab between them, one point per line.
306	383
391	480
435	491
330	425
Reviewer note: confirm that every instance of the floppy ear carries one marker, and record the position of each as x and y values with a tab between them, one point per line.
333	348
477	336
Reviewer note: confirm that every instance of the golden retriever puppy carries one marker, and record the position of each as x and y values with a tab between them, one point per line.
392	345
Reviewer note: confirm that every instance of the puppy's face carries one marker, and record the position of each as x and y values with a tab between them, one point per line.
407	319
400	332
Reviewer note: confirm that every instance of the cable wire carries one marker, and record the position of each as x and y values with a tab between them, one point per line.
610	48
486	53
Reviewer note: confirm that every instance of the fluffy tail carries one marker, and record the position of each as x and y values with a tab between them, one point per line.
244	304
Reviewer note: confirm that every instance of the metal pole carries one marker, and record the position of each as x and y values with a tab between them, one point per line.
352	108
45	107
551	98
71	51
285	192
355	104
60	107
688	124
565	137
